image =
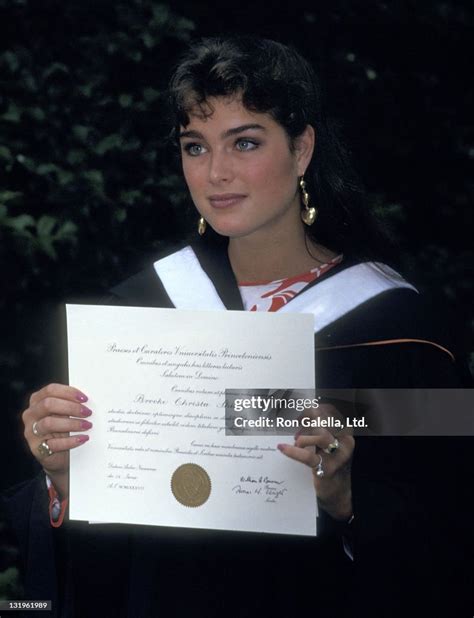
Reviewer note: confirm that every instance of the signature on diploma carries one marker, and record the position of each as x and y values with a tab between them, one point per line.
269	489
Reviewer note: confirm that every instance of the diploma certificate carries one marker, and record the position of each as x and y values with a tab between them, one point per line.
158	453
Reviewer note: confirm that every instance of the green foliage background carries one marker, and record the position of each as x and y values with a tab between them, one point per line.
88	186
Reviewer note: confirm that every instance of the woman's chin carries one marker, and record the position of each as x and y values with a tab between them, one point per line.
231	231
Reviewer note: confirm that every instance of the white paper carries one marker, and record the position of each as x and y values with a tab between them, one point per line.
155	379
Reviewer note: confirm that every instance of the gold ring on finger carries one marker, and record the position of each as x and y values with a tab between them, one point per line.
44	450
331	447
34	428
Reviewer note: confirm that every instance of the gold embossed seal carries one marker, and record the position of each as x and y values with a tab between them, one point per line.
191	485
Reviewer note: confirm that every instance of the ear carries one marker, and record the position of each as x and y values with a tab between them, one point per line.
304	148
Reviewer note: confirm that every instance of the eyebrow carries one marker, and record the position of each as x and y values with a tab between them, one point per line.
228	133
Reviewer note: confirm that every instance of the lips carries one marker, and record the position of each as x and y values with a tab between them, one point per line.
224	200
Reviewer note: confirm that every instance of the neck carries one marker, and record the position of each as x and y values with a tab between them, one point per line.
255	258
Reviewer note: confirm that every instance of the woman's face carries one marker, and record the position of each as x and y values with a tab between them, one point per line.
240	171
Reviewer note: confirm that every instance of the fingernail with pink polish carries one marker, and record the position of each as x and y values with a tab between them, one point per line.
85	425
85	411
81	397
281	447
82	439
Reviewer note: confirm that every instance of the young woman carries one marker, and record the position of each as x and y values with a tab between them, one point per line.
282	220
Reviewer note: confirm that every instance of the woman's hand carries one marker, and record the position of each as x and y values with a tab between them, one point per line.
54	412
329	455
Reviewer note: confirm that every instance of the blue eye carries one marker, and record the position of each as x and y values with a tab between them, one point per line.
243	144
193	149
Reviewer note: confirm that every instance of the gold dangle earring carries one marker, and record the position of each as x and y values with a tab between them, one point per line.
310	213
202	225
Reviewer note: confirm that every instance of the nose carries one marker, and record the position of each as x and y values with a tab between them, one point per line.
220	168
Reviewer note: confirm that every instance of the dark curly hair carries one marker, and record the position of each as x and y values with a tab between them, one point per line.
273	78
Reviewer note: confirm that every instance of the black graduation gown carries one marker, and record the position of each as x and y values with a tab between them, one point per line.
401	493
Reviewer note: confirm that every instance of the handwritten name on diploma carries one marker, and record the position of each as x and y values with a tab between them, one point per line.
295	423
269	489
